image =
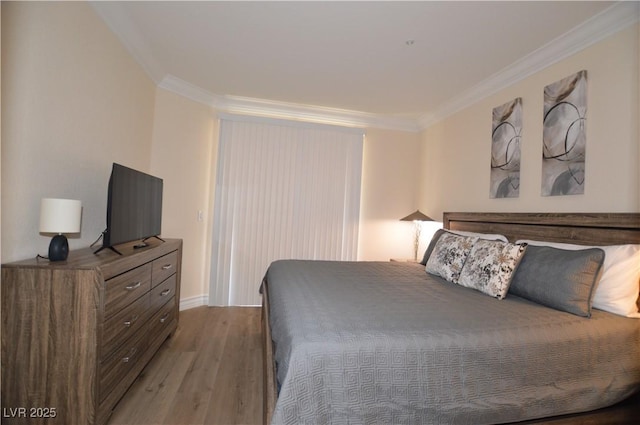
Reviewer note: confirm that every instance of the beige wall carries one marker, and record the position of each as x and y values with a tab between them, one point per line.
390	173
184	155
73	102
456	152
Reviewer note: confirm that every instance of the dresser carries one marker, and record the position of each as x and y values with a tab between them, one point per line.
77	333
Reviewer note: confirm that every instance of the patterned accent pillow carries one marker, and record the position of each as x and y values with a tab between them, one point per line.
490	267
449	255
439	232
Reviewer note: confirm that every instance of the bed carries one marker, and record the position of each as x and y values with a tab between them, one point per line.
387	342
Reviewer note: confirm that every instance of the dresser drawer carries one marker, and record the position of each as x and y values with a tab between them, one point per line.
164	267
123	361
162	293
123	324
163	318
126	288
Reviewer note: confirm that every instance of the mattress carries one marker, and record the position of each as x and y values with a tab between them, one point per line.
385	342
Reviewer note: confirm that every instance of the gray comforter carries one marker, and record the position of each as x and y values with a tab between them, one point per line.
386	343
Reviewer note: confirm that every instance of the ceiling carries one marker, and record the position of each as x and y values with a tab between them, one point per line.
401	60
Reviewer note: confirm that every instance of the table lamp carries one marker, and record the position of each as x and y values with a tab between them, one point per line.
417	217
59	216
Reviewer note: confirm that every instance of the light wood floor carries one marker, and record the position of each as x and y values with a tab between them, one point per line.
208	372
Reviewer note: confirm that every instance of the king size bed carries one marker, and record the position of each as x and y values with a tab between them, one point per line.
547	333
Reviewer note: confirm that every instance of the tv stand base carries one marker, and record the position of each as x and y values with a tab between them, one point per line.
109	247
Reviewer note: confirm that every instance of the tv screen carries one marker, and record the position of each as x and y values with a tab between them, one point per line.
134	206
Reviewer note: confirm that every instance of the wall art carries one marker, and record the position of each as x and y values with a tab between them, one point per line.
506	136
564	136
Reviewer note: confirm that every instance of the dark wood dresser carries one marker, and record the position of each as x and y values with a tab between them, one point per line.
76	334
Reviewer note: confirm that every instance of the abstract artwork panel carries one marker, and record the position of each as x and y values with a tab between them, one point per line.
564	136
506	133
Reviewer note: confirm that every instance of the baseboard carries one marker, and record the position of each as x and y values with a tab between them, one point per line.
193	302
200	300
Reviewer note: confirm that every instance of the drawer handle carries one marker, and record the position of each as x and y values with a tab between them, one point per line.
131	321
133	286
131	354
166	267
165	292
164	318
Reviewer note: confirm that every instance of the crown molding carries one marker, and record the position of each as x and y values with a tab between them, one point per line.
284	110
114	16
188	90
616	18
315	114
610	21
119	23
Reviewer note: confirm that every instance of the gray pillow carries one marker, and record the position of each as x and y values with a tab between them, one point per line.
559	278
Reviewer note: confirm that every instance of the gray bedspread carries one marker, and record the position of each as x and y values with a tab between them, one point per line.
386	343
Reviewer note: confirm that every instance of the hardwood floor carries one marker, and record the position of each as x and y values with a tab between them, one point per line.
209	372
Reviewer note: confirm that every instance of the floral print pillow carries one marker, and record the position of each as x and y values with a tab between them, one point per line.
449	255
490	267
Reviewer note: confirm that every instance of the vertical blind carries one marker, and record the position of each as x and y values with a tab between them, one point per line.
283	191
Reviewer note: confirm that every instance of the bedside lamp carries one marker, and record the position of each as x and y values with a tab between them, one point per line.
59	216
417	218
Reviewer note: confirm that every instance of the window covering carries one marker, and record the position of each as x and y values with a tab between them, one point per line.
284	190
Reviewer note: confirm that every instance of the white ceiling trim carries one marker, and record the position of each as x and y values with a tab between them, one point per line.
289	123
315	114
112	13
608	22
283	110
614	19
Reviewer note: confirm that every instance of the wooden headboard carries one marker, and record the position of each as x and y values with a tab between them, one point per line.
576	228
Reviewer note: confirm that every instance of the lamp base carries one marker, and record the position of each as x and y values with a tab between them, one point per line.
58	248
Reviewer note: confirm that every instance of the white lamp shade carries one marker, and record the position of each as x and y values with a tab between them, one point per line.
60	215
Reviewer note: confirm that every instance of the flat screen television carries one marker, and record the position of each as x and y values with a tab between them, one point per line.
134	207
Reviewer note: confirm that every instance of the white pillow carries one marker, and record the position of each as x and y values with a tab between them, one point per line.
617	291
486	236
